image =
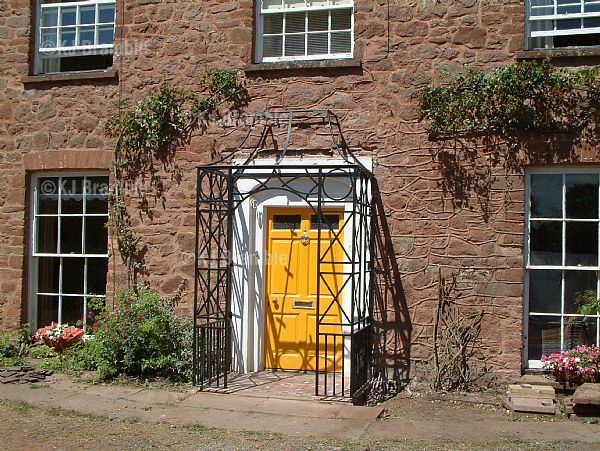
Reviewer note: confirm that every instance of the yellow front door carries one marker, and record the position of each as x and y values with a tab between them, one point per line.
291	290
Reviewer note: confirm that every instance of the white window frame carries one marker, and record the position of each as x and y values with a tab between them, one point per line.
260	13
75	50
536	364
34	255
533	14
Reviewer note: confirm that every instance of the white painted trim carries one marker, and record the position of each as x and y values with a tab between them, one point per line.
31	246
564	171
258	39
249	266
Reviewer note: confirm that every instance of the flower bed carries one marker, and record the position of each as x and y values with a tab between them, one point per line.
576	366
59	336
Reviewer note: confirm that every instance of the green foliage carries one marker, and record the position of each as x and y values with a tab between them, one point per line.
12	347
141	337
587	302
151	124
159	119
152	129
42	351
520	97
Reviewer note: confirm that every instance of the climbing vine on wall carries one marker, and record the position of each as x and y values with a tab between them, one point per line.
518	114
520	97
150	131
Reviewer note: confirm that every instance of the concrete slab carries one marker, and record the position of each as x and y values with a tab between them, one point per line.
152	397
360	413
108	391
221	402
297	408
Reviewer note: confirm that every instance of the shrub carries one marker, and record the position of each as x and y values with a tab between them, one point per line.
9	350
140	337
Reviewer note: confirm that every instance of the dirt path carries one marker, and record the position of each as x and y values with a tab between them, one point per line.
23	426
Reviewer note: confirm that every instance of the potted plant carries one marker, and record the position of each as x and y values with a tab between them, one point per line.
59	336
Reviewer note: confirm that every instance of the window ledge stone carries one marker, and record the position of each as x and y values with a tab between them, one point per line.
303	65
71	76
558	53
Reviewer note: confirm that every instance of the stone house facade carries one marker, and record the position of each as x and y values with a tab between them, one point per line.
366	64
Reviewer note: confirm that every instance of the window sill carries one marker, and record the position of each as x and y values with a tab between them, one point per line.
303	65
558	53
71	76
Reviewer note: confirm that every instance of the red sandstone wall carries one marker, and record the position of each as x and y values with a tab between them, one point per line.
174	39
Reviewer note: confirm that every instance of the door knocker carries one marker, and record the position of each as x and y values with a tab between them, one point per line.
304	239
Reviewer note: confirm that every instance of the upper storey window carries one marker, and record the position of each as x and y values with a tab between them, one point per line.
75	35
563	23
293	30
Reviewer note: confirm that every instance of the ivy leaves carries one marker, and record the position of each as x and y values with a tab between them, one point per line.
152	130
161	117
524	96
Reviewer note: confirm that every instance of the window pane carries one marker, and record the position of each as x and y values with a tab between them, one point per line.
544	336
591	8
106	14
106	34
582	196
294	3
48	274
73	275
570	9
541	2
579	331
70	235
47	234
68	16
67	37
86	36
72	195
294	23
318	44
48	38
47	310
546	195
579	285
341	42
286	222
542	11
96	275
49	17
341	19
581	244
72	310
568	24
545	242
47	195
96	189
331	222
591	23
273	24
96	236
87	15
294	45
545	287
272	46
271	4
318	21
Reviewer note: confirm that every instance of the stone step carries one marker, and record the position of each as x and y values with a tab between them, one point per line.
530	391
587	393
